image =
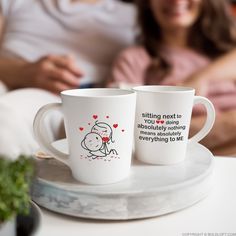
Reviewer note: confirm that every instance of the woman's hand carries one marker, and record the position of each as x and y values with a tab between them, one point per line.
52	73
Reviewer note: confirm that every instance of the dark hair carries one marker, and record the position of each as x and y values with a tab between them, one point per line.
213	33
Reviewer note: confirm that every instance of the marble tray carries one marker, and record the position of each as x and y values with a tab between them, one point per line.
148	191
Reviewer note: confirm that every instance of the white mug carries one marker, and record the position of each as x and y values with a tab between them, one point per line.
163	116
99	127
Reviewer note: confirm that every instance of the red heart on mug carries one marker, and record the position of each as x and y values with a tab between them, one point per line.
162	121
95	117
105	139
81	128
115	126
157	121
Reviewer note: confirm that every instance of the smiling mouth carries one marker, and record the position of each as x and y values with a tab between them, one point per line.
178	9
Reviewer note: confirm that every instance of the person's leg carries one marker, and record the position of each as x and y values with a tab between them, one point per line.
17	111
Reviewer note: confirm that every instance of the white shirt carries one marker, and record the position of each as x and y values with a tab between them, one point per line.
93	33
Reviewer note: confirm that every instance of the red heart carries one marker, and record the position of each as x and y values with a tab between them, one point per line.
107	117
115	126
123	130
81	128
162	121
157	121
105	139
95	117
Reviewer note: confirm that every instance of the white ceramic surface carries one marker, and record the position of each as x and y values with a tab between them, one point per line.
149	191
8	228
36	217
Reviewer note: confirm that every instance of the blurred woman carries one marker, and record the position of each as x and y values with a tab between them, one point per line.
190	43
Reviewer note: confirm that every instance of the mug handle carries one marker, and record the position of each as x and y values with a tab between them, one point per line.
42	137
209	120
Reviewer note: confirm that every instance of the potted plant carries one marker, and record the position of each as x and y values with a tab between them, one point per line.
15	178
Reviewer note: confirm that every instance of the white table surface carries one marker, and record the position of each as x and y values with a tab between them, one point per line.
214	215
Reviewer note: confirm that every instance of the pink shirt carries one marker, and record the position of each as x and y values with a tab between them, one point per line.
130	68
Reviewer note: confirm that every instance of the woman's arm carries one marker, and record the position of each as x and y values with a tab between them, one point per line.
221	69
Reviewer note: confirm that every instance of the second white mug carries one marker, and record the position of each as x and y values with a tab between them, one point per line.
163	116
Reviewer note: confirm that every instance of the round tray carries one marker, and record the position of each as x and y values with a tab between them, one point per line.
149	191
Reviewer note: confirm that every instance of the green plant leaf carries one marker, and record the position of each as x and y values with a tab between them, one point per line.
15	180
